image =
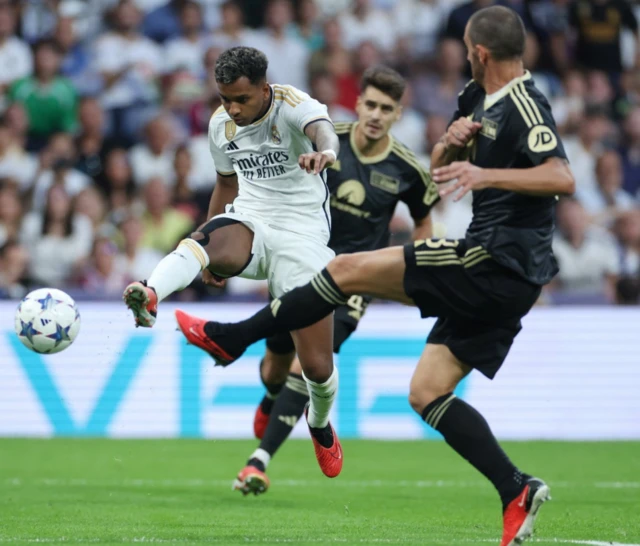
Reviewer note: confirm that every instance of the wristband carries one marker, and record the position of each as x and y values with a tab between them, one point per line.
332	153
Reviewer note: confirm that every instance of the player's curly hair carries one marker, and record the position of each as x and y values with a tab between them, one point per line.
384	79
239	62
500	30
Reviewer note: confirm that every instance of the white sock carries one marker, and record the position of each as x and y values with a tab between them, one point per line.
321	397
262	456
177	270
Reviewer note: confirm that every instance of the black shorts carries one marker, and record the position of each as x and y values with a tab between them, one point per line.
345	322
478	302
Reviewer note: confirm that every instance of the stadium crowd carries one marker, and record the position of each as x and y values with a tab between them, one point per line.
104	108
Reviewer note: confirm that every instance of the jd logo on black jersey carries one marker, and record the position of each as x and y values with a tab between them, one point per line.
541	139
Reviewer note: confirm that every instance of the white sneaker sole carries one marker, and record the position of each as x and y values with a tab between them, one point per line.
526	529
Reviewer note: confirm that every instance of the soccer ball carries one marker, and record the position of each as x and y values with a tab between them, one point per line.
47	321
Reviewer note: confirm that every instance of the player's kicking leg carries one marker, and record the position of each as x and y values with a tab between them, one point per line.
467	432
222	245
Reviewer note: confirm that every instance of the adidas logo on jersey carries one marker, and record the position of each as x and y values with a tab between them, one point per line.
232	146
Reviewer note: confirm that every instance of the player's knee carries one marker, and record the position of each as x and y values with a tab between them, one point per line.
420	398
274	368
343	269
317	368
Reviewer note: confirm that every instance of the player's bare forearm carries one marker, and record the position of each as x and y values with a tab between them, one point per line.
441	155
224	193
553	177
422	229
324	137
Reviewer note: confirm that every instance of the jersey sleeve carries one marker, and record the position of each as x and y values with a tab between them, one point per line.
221	161
533	129
299	108
423	192
466	99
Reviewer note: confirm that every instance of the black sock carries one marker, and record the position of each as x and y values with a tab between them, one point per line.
286	412
301	307
468	433
273	391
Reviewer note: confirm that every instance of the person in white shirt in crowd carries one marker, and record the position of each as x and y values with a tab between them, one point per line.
185	53
137	260
232	31
568	107
288	56
587	255
420	21
56	169
130	64
410	128
608	199
15	161
57	239
104	274
91	204
366	23
627	231
154	156
16	60
584	148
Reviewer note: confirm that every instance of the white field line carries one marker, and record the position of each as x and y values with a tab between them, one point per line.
247	540
81	482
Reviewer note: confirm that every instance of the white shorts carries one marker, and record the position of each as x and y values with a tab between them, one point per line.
284	258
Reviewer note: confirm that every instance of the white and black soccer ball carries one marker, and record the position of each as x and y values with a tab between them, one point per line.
47	321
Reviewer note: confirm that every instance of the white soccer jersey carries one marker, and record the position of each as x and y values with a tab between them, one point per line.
264	155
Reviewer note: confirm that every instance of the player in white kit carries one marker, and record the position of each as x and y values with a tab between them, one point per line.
269	219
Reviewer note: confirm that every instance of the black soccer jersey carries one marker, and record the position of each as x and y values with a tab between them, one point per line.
366	190
518	132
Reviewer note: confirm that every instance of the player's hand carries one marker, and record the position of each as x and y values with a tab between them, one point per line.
460	133
213	280
315	162
470	177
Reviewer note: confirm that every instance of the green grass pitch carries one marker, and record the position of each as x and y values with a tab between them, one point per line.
81	491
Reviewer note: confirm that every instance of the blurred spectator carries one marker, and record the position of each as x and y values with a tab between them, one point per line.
15	162
164	225
18	124
14	261
627	291
154	156
419	21
627	231
307	27
163	22
135	259
568	107
366	23
232	32
586	255
410	128
15	55
92	143
76	63
91	204
116	183
104	274
10	211
324	89
437	93
288	56
48	99
598	25
459	17
548	21
600	92
56	169
631	153
57	240
129	64
608	199
584	149
185	52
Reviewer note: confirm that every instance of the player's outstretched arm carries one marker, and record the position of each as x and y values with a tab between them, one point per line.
552	177
323	135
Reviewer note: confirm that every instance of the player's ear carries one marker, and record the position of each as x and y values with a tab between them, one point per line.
398	112
358	103
266	89
483	54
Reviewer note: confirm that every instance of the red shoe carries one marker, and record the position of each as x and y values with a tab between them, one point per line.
521	512
193	329
251	480
329	458
143	301
260	422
